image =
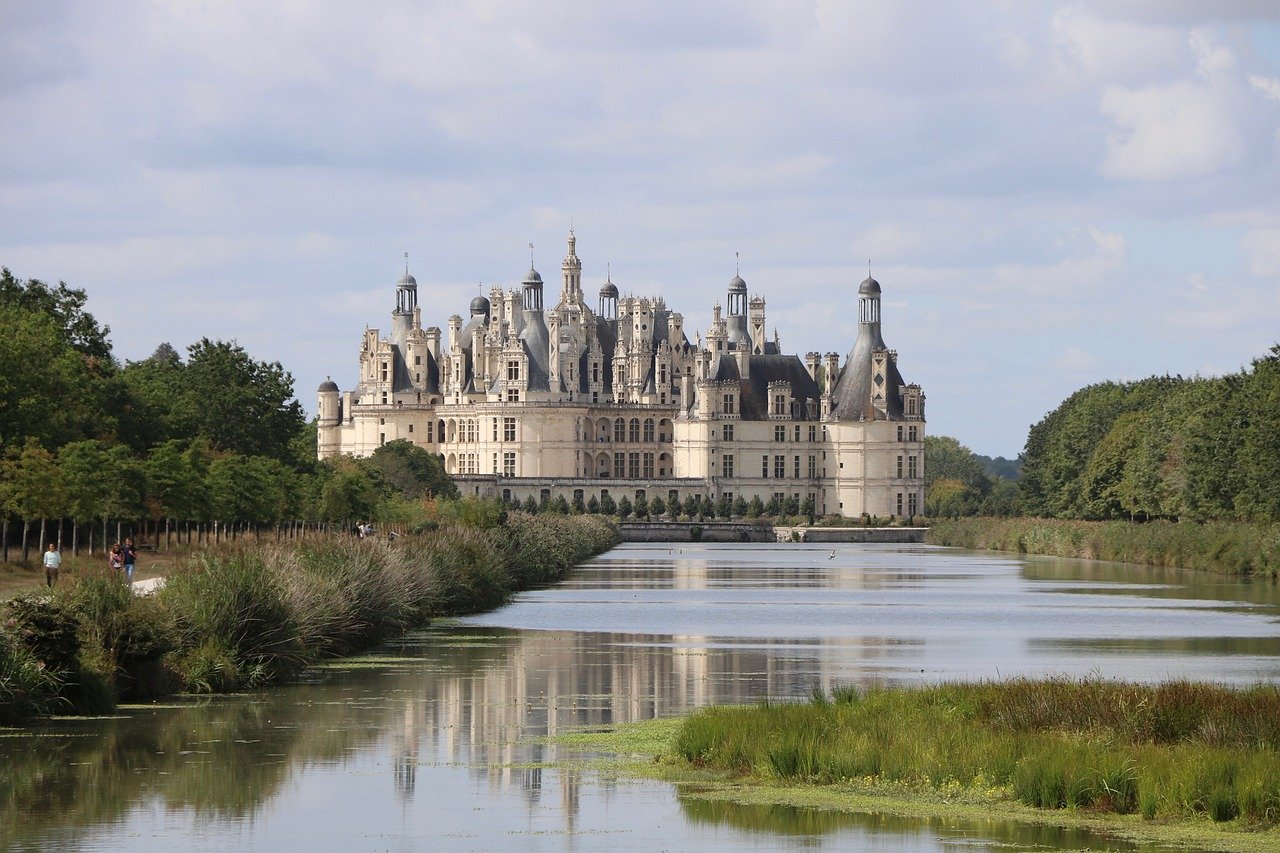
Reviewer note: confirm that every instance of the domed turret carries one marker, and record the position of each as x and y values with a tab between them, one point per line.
608	300
737	285
479	306
407	280
869	287
327	386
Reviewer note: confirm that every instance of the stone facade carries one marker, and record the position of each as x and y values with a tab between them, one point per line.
521	400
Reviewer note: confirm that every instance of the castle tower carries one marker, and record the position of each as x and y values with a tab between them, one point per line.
737	314
608	300
571	272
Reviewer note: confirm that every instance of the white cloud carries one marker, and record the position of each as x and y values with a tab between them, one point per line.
1170	132
1268	86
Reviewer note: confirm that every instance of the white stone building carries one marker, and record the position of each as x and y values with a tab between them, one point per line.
578	400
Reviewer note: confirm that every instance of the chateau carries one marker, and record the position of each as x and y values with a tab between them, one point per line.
581	400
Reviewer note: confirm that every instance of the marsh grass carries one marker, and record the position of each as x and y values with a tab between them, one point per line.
1225	547
1175	749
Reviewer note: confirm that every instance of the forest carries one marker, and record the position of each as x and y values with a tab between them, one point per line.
1167	447
209	434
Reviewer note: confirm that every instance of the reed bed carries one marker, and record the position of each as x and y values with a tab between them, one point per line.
1172	750
1225	547
245	615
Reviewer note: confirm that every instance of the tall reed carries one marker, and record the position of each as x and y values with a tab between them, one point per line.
1174	749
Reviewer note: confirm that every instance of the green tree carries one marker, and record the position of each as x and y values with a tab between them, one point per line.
347	492
641	508
724	506
35	489
593	505
559	505
755	507
63	305
808	508
48	390
624	507
577	505
1259	455
657	507
607	505
412	471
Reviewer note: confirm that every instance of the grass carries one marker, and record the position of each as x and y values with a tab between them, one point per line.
1226	547
1178	750
244	615
759	800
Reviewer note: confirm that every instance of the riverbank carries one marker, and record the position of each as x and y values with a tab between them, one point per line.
1225	547
246	615
1180	763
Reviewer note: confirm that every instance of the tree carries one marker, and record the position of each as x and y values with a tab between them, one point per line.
577	505
755	507
724	505
624	507
1260	442
559	505
808	508
35	490
657	507
642	507
65	307
531	505
692	505
48	390
792	506
774	507
347	491
412	471
593	505
607	505
739	506
221	393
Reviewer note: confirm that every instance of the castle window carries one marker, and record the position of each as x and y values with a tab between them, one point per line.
411	429
384	398
728	432
384	371
780	467
633	465
779	433
911	405
779	404
813	466
911	469
914	433
899	512
647	467
899	432
911	503
764	466
495	432
633	433
513	371
726	465
729	404
382	438
431	432
797	468
417	360
619	430
595	372
797	432
508	464
508	429
619	465
648	429
513	396
899	467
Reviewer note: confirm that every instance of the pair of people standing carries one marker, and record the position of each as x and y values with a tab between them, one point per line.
123	557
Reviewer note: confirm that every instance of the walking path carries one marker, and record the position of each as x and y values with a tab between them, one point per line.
147	586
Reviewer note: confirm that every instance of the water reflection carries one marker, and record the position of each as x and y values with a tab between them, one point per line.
435	742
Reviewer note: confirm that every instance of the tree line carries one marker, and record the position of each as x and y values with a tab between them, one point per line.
1165	447
215	436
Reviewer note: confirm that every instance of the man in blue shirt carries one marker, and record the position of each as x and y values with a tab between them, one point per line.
52	562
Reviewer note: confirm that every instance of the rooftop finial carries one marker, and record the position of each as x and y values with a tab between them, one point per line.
868	268
406	263
608	271
736	268
530	256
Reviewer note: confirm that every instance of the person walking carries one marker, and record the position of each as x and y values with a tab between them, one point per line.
130	558
115	558
52	563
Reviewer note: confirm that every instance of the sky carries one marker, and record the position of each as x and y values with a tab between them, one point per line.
1050	194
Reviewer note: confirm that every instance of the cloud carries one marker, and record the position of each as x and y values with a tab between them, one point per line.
1170	132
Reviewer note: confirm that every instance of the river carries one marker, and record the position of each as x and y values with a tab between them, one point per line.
434	742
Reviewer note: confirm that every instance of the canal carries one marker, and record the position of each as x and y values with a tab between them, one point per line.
438	741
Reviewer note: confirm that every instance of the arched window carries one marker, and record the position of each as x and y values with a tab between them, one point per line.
634	432
619	430
648	429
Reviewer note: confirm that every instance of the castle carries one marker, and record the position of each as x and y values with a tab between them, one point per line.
580	402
